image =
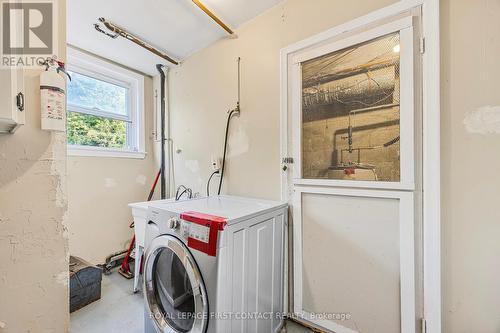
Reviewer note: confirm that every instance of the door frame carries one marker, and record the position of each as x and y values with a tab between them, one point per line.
431	165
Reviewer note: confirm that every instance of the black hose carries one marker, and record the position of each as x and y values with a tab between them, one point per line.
159	67
187	190
208	183
225	149
178	197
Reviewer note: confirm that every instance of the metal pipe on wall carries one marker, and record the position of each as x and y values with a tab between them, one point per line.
125	34
160	67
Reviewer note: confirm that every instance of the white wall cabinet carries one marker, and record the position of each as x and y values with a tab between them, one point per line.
12	105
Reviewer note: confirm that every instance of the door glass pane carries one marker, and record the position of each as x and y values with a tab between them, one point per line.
173	291
351	271
350	113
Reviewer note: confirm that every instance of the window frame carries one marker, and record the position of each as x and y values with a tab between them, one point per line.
405	27
99	69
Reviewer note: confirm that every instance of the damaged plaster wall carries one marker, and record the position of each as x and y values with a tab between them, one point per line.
99	190
204	87
470	165
483	120
33	202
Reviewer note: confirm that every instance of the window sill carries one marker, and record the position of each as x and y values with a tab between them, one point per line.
104	152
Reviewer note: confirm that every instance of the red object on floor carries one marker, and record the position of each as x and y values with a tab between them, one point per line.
125	267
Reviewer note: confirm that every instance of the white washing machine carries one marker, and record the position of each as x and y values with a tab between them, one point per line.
215	265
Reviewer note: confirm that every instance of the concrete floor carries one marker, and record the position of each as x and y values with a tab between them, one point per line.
118	310
121	311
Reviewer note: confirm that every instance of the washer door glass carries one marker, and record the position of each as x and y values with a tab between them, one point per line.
173	290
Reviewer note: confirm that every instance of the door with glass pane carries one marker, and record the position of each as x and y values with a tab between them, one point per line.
352	118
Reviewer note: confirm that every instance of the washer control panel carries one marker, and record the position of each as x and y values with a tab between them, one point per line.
195	231
199	232
202	230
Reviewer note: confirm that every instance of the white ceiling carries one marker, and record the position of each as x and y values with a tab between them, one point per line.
177	27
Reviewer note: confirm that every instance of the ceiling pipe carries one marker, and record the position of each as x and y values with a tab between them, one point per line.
125	34
214	17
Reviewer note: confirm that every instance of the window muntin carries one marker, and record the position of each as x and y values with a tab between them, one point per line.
99	113
101	126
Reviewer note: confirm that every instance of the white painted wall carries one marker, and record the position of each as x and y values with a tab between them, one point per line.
470	165
203	88
99	190
33	203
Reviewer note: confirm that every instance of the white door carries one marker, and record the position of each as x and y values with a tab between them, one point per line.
352	178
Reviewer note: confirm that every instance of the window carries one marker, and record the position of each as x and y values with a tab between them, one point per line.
105	108
350	112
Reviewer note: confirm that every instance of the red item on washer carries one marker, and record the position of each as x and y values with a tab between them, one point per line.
213	223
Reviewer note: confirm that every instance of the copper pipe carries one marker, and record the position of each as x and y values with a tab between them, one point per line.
213	16
125	34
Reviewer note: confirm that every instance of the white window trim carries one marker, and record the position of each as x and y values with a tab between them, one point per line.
96	67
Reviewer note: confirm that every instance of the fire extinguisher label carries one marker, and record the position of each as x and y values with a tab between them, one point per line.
54	101
53	110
